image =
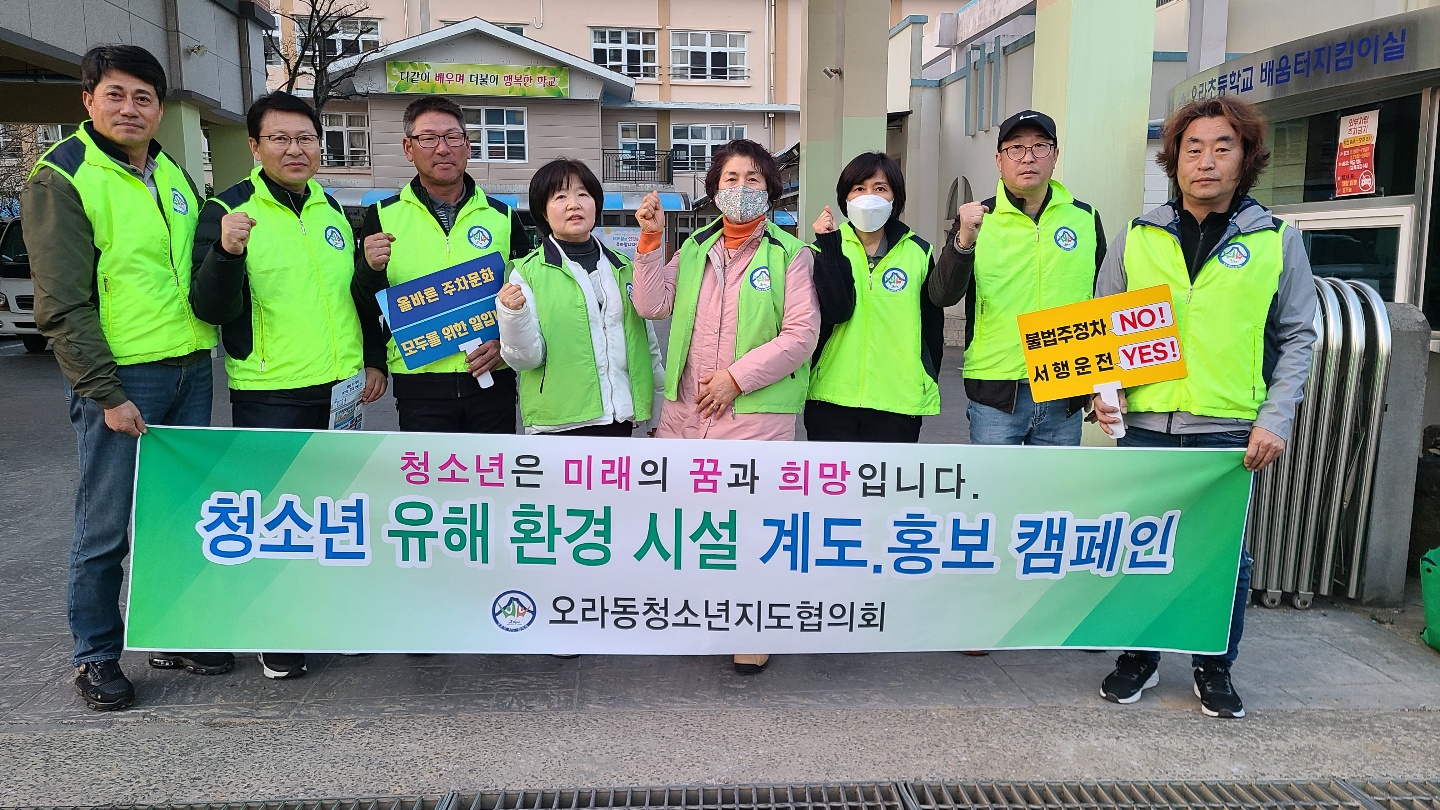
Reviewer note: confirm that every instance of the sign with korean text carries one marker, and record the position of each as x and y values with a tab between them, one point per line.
451	78
432	316
1387	47
1130	338
389	542
1355	156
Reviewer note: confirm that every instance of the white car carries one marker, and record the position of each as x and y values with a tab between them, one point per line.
17	291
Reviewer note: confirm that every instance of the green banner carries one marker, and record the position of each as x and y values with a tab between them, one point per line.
539	81
250	540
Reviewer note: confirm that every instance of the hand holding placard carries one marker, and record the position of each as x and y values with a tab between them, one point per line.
1102	346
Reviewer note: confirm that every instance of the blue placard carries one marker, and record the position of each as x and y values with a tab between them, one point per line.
431	316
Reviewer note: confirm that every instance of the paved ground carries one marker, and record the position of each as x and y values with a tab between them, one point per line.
1335	691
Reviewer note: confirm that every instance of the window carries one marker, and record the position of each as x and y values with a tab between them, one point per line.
49	134
352	36
497	134
692	144
708	55
347	139
639	142
630	51
273	57
513	28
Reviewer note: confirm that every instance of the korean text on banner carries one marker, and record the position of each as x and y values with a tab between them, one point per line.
415	542
1355	156
532	81
1130	339
433	316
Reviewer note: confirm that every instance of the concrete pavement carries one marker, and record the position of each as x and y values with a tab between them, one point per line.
1335	691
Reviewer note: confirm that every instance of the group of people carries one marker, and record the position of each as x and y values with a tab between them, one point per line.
136	280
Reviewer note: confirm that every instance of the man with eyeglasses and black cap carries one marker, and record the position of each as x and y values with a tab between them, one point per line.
1032	246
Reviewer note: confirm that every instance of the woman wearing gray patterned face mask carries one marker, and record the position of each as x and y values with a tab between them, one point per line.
882	313
744	315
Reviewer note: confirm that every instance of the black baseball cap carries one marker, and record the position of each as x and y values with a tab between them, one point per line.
1025	118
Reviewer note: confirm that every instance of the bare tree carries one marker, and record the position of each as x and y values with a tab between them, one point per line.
322	37
20	147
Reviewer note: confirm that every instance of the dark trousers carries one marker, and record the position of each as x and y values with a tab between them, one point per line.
455	403
828	422
614	429
246	414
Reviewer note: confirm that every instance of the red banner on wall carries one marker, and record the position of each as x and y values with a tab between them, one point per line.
1355	157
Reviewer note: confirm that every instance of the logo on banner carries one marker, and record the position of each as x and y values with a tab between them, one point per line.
479	237
1235	255
1066	238
513	611
894	279
760	278
178	202
335	238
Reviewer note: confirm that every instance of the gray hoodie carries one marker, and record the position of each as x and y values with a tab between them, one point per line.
1289	327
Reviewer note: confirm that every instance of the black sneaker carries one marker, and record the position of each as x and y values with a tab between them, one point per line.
1133	674
1216	693
200	663
279	666
104	686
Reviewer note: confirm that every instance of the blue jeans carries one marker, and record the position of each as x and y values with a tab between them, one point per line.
1139	437
1043	424
165	395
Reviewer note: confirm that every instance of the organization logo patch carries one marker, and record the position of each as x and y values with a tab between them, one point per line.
335	238
479	237
1235	255
178	202
513	611
894	279
1066	238
630	290
760	278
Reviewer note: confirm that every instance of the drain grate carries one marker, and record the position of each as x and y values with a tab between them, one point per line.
1336	794
1319	795
1401	795
871	796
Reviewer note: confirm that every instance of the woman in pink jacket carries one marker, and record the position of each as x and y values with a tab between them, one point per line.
722	380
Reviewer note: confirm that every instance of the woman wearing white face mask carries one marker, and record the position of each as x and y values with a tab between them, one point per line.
743	314
882	314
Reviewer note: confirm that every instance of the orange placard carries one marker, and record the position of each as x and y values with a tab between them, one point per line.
1130	339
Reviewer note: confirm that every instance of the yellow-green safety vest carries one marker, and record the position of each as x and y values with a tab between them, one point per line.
143	271
421	247
761	313
306	330
1023	265
873	360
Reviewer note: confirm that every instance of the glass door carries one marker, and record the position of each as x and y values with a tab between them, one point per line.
1371	245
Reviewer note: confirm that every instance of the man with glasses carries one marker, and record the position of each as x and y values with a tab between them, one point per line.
108	219
1039	247
441	218
273	260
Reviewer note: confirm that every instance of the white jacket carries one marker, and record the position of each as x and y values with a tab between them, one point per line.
522	346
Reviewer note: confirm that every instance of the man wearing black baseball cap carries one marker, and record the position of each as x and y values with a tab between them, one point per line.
1039	248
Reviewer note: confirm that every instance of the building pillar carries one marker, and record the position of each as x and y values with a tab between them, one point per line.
182	139
1092	75
230	157
844	112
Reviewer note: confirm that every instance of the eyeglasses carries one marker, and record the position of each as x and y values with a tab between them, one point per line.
284	141
1039	150
429	141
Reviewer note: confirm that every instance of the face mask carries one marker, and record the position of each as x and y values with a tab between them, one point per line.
741	204
869	212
